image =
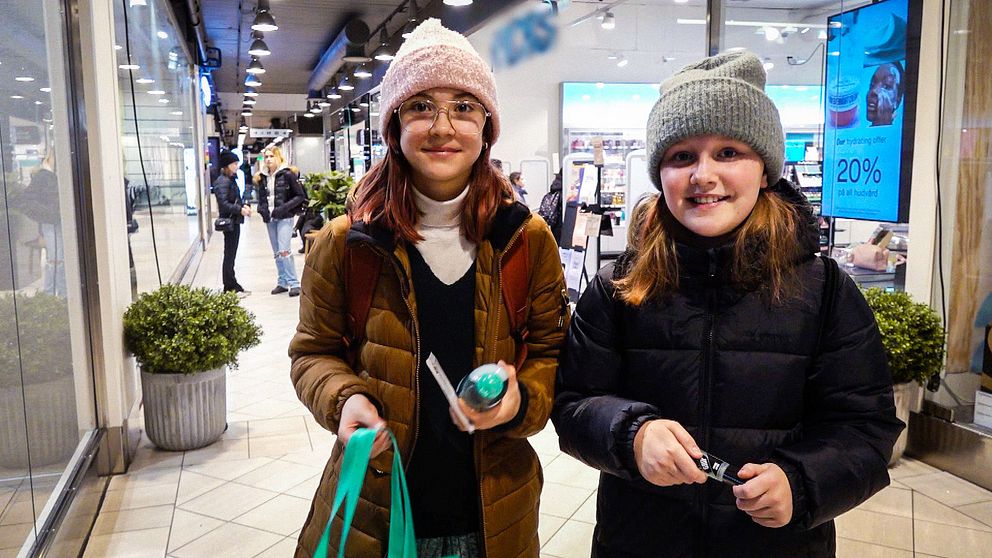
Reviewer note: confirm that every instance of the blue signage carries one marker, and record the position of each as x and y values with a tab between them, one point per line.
870	96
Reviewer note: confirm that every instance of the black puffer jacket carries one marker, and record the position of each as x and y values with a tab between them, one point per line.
750	383
229	202
288	198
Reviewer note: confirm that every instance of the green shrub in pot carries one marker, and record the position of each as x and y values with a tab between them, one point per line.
912	334
32	328
178	329
328	192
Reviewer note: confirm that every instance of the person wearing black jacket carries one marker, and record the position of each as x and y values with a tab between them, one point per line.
231	204
280	198
718	330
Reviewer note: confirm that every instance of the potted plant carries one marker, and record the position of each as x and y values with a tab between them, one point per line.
914	344
37	395
328	192
184	339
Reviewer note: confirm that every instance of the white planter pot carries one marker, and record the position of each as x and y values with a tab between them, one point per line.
185	411
908	397
50	429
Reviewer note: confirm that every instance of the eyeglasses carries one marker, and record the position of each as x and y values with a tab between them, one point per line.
420	114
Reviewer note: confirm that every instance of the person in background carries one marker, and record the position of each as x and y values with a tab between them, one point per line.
498	165
40	202
720	331
230	204
441	218
280	198
550	209
519	188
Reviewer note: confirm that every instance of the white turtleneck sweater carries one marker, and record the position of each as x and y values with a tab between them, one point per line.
448	253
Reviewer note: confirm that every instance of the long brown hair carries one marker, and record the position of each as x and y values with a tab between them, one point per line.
384	197
765	252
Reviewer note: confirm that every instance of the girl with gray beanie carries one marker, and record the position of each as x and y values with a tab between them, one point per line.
721	331
441	220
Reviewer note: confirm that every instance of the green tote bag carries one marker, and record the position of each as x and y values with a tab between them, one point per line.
402	541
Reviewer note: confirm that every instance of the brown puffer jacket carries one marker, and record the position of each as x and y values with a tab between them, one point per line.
389	375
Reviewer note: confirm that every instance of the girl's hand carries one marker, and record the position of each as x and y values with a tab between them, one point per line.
664	453
766	496
359	412
502	413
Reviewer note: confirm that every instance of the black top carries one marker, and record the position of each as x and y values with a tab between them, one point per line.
444	490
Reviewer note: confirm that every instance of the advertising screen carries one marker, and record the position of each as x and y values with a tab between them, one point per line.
872	58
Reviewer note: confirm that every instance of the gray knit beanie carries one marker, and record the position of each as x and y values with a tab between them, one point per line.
722	94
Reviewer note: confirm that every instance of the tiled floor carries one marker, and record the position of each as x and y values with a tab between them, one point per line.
248	494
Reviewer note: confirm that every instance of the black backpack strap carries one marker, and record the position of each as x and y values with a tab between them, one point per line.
831	277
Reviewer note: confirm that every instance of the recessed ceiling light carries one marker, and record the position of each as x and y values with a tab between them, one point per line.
118	47
163	100
162	35
16	97
156	92
623	62
176	113
129	67
144	81
25	79
458	2
45	90
37	102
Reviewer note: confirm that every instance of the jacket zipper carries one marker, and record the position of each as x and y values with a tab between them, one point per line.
405	291
705	404
498	304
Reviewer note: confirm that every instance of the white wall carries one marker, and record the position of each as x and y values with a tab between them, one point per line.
308	154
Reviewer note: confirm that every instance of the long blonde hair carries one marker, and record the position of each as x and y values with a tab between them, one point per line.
765	252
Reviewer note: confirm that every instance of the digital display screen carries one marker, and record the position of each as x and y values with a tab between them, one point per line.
871	63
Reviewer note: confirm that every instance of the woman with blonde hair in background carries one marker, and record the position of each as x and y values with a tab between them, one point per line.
280	198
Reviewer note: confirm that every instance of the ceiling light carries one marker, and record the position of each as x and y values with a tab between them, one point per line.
681	1
255	67
129	67
25	79
45	90
263	19
37	102
363	104
768	65
251	80
156	92
822	35
458	2
144	81
246	112
309	115
162	35
250	92
134	3
176	113
316	108
383	53
623	62
346	85
332	93
362	72
355	54
408	28
249	101
356	109
163	100
323	104
609	21
16	97
258	46
771	33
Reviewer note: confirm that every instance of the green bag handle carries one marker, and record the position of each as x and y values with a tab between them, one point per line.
402	541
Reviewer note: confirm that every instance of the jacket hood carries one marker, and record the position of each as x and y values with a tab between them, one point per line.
505	224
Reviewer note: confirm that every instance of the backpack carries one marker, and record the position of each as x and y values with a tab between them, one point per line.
550	209
361	273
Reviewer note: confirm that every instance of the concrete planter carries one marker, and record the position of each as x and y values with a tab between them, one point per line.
908	397
185	411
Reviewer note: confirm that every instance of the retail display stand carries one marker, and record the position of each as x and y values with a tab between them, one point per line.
582	221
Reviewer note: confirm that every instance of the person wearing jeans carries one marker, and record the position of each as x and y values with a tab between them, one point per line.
280	198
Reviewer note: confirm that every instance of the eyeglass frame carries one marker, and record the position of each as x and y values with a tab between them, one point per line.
485	111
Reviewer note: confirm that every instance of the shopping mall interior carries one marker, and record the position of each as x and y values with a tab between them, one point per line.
119	110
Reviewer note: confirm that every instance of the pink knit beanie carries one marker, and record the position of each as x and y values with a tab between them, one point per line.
434	56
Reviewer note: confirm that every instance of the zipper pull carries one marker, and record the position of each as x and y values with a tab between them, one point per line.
564	309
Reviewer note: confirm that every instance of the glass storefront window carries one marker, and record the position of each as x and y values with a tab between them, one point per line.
161	168
46	385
